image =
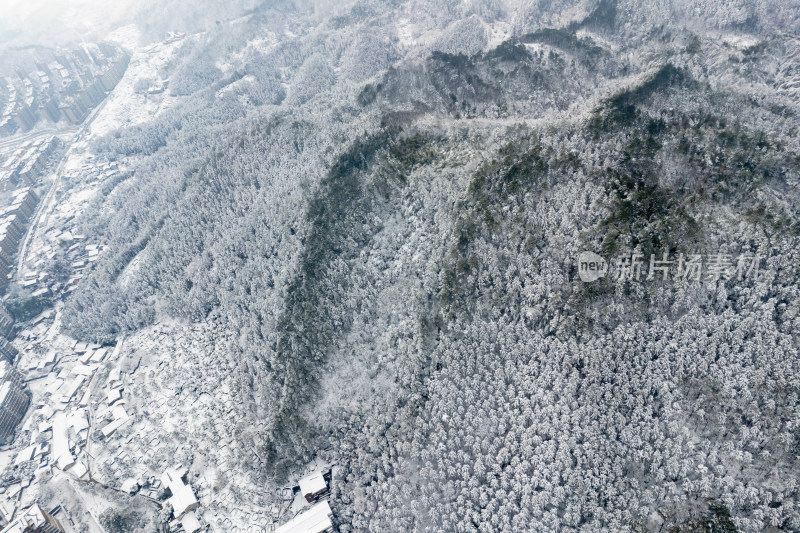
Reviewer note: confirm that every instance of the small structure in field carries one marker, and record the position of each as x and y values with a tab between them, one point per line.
313	486
190	523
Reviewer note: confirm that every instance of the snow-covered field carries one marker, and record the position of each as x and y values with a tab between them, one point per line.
125	106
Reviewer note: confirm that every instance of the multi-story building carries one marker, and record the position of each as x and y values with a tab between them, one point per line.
14	402
30	171
95	92
107	48
24	203
34	520
114	73
4	258
51	110
7	125
24	117
7	350
13	221
11	225
83	57
6	323
9	373
8	240
48	145
72	111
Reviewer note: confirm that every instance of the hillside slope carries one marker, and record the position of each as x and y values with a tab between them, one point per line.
386	206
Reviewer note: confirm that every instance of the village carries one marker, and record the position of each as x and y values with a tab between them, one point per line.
93	435
135	418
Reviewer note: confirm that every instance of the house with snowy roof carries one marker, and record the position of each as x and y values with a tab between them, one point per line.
313	486
317	519
183	499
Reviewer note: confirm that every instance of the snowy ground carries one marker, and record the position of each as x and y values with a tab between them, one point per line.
104	415
178	394
126	107
170	386
56	229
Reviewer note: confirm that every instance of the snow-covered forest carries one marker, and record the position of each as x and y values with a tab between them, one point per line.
383	203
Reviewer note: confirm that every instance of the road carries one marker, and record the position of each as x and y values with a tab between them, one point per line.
35	134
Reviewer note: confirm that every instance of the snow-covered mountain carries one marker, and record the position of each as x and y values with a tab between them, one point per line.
384	204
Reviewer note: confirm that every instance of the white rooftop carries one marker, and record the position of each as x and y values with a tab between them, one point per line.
60	451
183	499
315	520
190	523
312	484
129	485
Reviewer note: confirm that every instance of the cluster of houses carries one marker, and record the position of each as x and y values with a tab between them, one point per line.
78	254
57	239
69	410
51	435
179	496
62	414
60	435
67	87
25	165
80	404
59	425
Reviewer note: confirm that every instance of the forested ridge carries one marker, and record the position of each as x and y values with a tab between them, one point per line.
391	232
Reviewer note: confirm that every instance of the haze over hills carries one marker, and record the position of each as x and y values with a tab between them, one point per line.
47	24
381	206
